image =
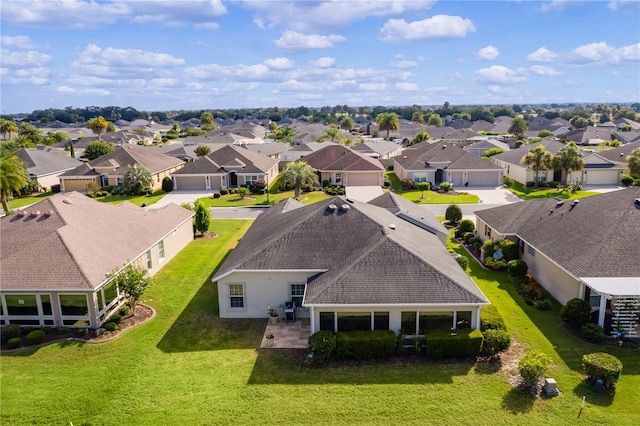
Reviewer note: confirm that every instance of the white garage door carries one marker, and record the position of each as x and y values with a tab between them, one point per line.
363	179
602	177
190	183
456	179
483	178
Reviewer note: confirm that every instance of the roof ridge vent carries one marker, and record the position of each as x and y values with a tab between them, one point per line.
559	203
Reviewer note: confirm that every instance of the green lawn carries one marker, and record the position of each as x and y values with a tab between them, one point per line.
187	366
16	203
233	200
135	199
429	197
530	193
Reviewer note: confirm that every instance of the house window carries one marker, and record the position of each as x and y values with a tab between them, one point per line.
161	250
532	251
149	262
338	177
542	176
521	246
21	304
487	231
408	323
352	321
326	321
297	293
119	181
435	321
236	296
381	320
74	304
250	180
419	177
110	293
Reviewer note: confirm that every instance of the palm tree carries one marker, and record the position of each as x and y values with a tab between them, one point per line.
298	174
30	132
633	160
137	178
7	126
417	117
518	127
347	123
333	134
538	159
420	137
98	125
13	175
388	121
434	120
285	134
568	159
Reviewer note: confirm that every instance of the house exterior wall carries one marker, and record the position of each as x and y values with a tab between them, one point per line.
414	175
77	184
554	279
519	173
49	180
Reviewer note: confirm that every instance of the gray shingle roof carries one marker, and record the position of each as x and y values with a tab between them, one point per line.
229	155
340	158
42	163
515	155
409	211
599	237
365	261
80	242
620	153
419	156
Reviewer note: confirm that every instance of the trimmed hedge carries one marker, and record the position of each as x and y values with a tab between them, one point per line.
14	343
10	331
576	312
490	319
495	341
36	337
115	318
602	366
322	344
366	344
592	332
442	344
111	326
517	268
532	367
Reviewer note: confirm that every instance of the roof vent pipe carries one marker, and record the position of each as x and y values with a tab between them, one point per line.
35	213
22	213
332	207
48	213
345	207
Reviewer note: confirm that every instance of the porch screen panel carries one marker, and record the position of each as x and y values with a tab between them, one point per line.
74	304
45	299
21	304
408	323
326	321
352	321
381	320
463	319
435	321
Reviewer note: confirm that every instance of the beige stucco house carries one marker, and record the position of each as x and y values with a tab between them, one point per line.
343	166
45	166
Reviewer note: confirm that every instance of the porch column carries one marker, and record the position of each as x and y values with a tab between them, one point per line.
603	306
477	324
581	291
312	318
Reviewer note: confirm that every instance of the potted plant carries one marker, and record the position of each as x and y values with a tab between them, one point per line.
273	315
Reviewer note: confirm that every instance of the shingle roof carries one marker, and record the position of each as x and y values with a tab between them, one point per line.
620	153
409	211
42	163
419	156
229	155
80	242
514	156
599	237
340	158
365	261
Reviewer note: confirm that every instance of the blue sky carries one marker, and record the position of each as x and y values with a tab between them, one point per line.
170	55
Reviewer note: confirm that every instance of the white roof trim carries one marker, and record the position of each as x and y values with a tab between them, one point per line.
614	286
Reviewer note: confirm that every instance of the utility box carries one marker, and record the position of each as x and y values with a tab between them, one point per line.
550	387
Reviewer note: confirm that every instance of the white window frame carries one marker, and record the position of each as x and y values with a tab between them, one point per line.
149	260
338	177
231	294
249	180
301	296
161	254
419	177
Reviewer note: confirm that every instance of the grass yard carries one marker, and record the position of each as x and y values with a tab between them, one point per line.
531	193
429	197
17	203
187	366
232	200
138	200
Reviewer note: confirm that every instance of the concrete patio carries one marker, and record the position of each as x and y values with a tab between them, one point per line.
293	335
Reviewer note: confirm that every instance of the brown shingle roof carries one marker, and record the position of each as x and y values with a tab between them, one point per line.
419	156
230	155
341	158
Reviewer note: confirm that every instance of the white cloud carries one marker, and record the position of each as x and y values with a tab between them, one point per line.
292	41
488	53
542	55
20	41
23	59
616	5
436	27
99	60
37	76
258	72
279	63
498	74
213	26
404	64
557	5
543	70
601	54
407	87
324	62
71	90
372	87
456	76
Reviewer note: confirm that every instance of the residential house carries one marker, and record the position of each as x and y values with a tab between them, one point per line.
446	162
109	169
347	265
585	248
58	254
626	137
619	154
485	143
45	166
344	166
590	135
227	167
380	149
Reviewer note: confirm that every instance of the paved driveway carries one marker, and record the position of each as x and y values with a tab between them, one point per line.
179	197
496	195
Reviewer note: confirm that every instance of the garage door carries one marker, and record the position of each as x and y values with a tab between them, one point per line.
483	178
190	183
456	179
363	179
602	177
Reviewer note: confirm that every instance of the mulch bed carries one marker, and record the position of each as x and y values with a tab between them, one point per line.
143	313
206	235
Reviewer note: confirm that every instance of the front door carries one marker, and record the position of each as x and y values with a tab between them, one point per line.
557	175
207	182
439	176
233	179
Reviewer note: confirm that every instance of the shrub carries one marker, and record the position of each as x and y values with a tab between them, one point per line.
35	337
124	311
495	264
576	312
224	191
467	225
111	326
83	331
490	319
10	331
446	186
508	181
442	344
488	248
542	184
453	213
509	249
517	268
423	186
626	180
366	344
325	183
63	330
592	332
463	262
532	367
258	187
468	236
636	182
167	184
216	195
14	343
530	184
47	329
322	344
602	366
115	318
542	305
495	341
408	184
553	184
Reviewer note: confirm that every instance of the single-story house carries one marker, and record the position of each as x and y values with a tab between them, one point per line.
58	253
227	167
484	144
45	167
379	149
347	265
585	248
619	154
444	162
344	166
109	169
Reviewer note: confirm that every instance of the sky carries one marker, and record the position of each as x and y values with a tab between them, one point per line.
191	55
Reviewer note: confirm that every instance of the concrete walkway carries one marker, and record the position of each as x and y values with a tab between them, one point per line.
179	197
492	195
